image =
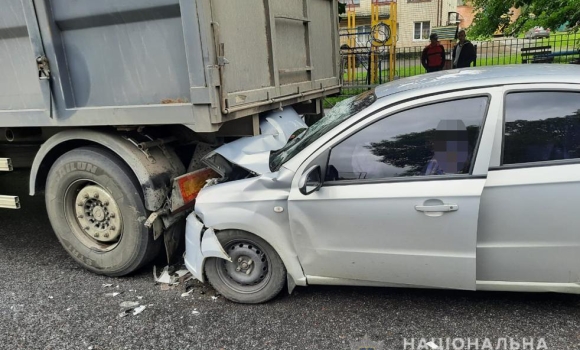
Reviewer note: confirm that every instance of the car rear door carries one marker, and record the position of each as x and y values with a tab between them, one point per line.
398	210
528	234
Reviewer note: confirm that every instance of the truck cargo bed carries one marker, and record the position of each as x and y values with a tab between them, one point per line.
198	63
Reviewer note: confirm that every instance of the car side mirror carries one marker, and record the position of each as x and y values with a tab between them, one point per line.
311	180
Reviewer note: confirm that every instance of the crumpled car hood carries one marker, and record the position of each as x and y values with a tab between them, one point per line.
253	153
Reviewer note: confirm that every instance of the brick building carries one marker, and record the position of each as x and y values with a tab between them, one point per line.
467	14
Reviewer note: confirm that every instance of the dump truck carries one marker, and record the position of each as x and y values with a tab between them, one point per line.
106	103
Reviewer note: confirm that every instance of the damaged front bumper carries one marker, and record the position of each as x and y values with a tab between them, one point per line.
200	243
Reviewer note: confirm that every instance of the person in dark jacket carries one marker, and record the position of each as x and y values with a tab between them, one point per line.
464	52
433	56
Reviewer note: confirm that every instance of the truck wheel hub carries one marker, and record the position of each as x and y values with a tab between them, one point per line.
98	214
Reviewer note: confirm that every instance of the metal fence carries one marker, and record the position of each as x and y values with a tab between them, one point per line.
558	48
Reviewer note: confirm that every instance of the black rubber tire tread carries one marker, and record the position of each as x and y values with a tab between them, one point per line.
137	246
275	284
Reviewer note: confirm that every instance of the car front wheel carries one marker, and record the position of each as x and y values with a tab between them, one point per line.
256	273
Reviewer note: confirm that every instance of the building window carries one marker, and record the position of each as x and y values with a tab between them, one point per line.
422	30
363	34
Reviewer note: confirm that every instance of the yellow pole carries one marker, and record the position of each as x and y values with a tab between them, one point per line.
392	49
374	58
351	29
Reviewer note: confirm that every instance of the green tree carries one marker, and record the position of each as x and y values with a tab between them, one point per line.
491	15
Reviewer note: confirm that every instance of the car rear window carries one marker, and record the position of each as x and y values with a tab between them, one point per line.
541	126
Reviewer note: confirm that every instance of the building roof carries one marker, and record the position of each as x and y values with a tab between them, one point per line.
483	76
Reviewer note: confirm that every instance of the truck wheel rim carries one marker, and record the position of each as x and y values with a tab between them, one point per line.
93	215
249	271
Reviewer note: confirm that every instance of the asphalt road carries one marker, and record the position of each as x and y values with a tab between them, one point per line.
48	302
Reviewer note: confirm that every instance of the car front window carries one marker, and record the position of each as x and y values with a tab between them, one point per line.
339	113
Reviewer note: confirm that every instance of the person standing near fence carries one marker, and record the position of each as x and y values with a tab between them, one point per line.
433	56
463	52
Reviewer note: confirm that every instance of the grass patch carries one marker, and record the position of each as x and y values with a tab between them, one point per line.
330	102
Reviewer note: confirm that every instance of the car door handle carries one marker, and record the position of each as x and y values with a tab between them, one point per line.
437	208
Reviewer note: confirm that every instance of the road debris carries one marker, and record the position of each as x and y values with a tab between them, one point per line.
131	307
114	294
50	297
195	312
105	285
169	279
129	304
138	310
139	297
187	293
214	298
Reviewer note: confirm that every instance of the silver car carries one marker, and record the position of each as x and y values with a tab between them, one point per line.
462	179
537	32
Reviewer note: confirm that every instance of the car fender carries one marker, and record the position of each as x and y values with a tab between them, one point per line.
237	218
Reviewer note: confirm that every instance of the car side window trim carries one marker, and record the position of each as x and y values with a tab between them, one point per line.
557	162
360	126
404	179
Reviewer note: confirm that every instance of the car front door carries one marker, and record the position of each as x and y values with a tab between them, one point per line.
399	204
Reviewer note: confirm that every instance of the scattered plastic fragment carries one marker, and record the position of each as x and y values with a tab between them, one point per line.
131	307
107	284
129	304
138	310
187	293
170	280
114	294
50	297
214	298
181	273
164	277
139	297
195	313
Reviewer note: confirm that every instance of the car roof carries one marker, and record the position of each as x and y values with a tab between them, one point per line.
477	77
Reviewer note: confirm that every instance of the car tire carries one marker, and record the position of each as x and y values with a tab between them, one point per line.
95	206
256	273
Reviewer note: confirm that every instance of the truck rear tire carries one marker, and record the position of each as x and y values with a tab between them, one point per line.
96	209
